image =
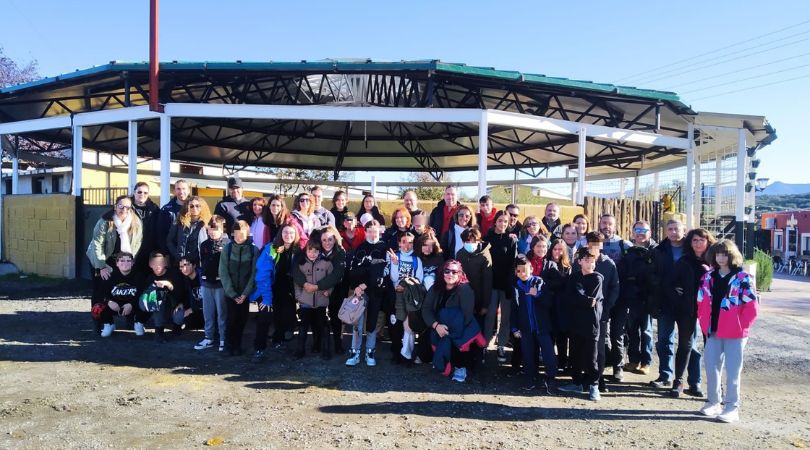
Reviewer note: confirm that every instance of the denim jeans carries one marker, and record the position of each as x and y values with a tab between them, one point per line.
666	351
357	334
640	330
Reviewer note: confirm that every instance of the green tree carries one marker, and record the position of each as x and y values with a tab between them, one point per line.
425	192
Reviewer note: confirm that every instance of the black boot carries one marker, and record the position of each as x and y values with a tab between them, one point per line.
337	337
300	345
326	352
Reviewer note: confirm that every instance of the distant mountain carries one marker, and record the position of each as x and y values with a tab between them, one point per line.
779	188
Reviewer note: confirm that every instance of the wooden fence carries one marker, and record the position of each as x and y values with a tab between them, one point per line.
627	212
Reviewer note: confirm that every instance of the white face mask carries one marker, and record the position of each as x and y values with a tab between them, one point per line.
470	246
406	253
368	239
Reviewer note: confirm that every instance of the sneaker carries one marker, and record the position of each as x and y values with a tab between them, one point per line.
571	388
593	393
139	330
644	369
660	383
370	360
729	415
632	366
711	410
677	389
257	357
618	374
460	374
107	330
603	387
354	358
417	360
221	346
694	391
204	344
501	354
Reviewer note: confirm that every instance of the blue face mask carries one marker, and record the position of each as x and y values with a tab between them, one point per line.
406	253
470	246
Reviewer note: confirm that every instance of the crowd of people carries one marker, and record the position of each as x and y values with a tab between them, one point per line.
445	287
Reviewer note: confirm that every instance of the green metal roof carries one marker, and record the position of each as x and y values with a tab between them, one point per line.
359	65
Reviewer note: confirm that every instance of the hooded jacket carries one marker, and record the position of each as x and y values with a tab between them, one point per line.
478	267
636	277
610	284
582	289
312	272
237	269
738	309
503	249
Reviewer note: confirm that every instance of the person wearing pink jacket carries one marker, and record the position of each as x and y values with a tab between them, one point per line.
727	307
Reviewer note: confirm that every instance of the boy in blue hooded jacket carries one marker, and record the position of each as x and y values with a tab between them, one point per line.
531	323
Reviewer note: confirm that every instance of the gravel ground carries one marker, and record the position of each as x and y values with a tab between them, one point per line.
62	387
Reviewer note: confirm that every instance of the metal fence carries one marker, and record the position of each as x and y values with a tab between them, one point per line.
102	196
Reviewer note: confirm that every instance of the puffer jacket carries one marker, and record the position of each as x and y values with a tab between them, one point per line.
312	272
738	309
237	269
266	274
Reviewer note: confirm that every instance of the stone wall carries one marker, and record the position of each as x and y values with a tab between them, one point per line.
40	233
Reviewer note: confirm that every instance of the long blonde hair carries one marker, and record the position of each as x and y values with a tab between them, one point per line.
184	217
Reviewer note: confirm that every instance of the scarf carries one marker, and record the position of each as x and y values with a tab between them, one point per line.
123	232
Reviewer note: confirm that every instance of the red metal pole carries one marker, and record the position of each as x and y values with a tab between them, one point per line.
154	63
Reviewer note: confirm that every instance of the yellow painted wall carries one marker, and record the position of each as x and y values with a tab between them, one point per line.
40	233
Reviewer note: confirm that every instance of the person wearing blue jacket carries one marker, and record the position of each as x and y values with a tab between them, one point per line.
531	323
265	275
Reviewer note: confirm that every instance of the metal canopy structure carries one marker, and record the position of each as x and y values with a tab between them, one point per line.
356	115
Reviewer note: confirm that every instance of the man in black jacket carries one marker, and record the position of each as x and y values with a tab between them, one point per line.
233	206
149	213
169	211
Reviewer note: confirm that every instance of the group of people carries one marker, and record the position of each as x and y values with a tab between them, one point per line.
444	286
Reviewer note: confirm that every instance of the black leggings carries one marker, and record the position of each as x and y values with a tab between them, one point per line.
686	331
314	319
237	319
284	319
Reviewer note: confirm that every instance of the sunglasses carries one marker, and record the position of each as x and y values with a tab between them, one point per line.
194	206
303	200
122	207
512	214
531	224
641	230
451	272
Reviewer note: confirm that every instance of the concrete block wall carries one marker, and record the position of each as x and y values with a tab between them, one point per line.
40	233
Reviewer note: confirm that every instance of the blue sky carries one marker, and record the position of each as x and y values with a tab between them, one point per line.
599	41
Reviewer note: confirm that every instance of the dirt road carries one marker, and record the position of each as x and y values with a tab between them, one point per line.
63	387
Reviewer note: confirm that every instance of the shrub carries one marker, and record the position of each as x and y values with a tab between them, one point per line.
764	270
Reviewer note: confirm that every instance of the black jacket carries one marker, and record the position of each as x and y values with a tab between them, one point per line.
610	284
232	210
689	271
503	249
664	297
582	289
167	219
149	214
436	219
636	278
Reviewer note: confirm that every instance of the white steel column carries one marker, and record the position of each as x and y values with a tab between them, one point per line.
165	158
583	140
739	199
77	160
483	144
373	188
622	187
132	153
656	190
718	187
690	177
635	188
15	172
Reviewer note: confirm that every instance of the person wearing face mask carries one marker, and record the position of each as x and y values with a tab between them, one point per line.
367	278
476	260
503	248
402	264
452	242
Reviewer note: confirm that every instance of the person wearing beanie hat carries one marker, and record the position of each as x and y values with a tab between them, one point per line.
233	206
365	218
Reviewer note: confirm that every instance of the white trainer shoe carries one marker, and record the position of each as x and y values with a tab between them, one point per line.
108	329
139	330
729	415
204	344
711	409
354	359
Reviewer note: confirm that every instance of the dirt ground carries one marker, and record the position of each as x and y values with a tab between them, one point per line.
63	387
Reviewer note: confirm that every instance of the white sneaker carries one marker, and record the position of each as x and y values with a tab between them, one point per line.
711	409
729	415
221	346
204	344
460	374
108	329
502	354
593	393
354	359
370	360
139	331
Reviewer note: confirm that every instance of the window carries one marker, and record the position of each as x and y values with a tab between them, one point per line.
8	186
805	248
778	240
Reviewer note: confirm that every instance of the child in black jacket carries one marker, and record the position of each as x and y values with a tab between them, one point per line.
585	298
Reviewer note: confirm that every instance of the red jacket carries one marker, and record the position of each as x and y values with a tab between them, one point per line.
353	243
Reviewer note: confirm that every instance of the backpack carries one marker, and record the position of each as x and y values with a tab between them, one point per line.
150	301
352	309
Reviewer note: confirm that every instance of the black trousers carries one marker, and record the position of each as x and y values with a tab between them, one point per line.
237	319
335	301
284	319
461	359
602	349
585	359
686	331
561	341
263	321
618	343
313	319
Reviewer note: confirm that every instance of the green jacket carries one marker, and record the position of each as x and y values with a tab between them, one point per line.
104	239
237	269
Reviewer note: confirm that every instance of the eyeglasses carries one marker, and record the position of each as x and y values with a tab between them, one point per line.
194	206
301	200
641	230
531	224
451	272
123	207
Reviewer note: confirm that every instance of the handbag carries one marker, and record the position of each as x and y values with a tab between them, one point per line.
352	309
